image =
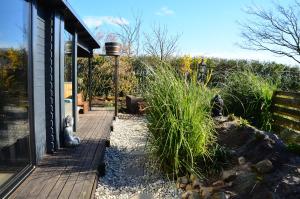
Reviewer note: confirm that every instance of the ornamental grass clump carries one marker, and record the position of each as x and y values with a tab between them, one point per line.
180	123
249	96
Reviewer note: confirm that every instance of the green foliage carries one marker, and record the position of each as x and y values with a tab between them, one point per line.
102	76
181	128
249	96
219	159
243	122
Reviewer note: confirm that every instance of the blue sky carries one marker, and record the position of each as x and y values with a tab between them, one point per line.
208	27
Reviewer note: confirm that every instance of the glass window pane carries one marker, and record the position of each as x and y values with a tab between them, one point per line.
68	74
14	121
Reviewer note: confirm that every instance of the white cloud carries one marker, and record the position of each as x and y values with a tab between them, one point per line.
164	11
96	21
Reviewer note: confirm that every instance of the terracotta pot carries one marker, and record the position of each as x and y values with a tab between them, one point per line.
112	48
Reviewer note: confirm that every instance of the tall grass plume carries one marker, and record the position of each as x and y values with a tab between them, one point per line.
180	123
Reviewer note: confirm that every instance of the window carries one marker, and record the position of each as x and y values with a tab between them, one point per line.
14	105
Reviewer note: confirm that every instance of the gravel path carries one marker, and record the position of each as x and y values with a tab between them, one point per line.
130	173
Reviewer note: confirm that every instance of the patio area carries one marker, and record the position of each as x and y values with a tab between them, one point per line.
71	172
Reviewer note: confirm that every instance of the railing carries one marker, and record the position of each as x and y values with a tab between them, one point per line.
286	112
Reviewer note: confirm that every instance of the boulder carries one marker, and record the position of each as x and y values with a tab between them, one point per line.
206	192
196	184
194	195
189	187
182	182
264	166
228	175
185	195
244	182
218	183
219	195
190	195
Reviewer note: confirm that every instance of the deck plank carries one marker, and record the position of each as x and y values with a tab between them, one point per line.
72	172
84	171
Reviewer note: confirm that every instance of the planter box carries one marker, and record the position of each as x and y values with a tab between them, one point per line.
132	103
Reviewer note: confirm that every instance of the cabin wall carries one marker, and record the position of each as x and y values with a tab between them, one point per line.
47	64
38	56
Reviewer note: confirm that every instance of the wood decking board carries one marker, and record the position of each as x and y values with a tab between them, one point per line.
89	151
72	172
65	181
83	175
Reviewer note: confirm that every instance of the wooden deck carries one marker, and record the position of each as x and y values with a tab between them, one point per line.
71	173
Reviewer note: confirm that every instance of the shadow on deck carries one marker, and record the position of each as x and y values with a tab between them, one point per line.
71	172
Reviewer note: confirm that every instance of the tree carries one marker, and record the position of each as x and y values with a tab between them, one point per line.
130	36
274	31
159	43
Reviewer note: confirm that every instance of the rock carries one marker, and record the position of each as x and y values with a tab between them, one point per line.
189	187
230	194
182	186
183	180
264	166
193	177
194	195
265	195
186	194
228	175
219	195
196	184
241	160
218	183
206	192
246	167
244	182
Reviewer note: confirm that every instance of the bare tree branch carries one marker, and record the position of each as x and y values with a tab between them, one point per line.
276	32
159	43
130	36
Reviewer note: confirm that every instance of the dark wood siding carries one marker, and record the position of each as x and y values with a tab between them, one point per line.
39	82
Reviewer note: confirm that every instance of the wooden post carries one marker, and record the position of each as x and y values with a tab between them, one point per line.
116	84
90	83
74	80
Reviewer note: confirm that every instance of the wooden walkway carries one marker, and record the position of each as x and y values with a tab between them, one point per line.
71	173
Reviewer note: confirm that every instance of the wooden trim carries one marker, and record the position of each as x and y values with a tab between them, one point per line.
74	79
295	103
285	122
279	129
56	45
287	112
90	83
289	94
61	78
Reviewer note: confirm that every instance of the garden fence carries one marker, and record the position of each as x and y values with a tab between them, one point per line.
286	111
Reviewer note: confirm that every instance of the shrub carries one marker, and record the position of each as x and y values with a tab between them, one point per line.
180	124
249	96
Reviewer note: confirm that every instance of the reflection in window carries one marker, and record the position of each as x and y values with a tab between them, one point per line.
68	74
14	124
